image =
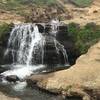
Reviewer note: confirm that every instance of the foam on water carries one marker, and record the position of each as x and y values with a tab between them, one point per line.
22	71
54	25
20	86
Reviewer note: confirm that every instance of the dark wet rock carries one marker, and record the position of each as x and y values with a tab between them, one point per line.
73	98
63	36
5	59
8	59
47	28
41	28
1	54
4	68
63	28
1	77
12	78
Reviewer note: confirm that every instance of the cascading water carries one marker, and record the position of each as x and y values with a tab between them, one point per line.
23	42
31	50
54	26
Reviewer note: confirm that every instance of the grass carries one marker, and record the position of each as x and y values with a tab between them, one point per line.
14	4
23	7
46	2
85	36
82	3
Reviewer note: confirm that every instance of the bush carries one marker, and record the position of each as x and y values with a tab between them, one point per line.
82	3
42	2
73	29
4	32
84	37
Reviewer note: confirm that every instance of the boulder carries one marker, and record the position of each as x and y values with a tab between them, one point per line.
1	55
4	68
12	78
41	28
1	77
82	79
5	97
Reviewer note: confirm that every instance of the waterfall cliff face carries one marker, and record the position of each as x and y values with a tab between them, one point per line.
28	47
23	43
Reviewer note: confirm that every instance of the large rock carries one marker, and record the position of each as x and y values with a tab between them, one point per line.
3	69
82	79
41	14
1	55
12	78
5	97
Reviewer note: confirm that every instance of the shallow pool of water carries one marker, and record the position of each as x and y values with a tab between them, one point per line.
29	93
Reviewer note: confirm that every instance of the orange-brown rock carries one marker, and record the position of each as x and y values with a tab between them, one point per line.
82	79
9	17
5	97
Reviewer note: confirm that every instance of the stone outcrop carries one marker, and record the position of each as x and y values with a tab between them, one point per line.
9	17
82	79
40	14
12	78
5	97
83	15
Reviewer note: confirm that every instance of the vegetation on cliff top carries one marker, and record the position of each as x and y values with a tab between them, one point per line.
4	32
19	4
82	3
85	36
22	7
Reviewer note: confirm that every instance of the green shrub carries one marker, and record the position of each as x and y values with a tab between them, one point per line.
14	4
4	30
23	7
84	37
42	2
73	29
82	3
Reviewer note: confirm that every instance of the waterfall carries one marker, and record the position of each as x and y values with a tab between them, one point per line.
31	50
22	43
54	26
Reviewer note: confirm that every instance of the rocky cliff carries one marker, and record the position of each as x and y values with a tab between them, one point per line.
65	10
84	15
82	79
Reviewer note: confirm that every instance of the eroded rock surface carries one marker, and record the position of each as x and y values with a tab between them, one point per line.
4	97
82	79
